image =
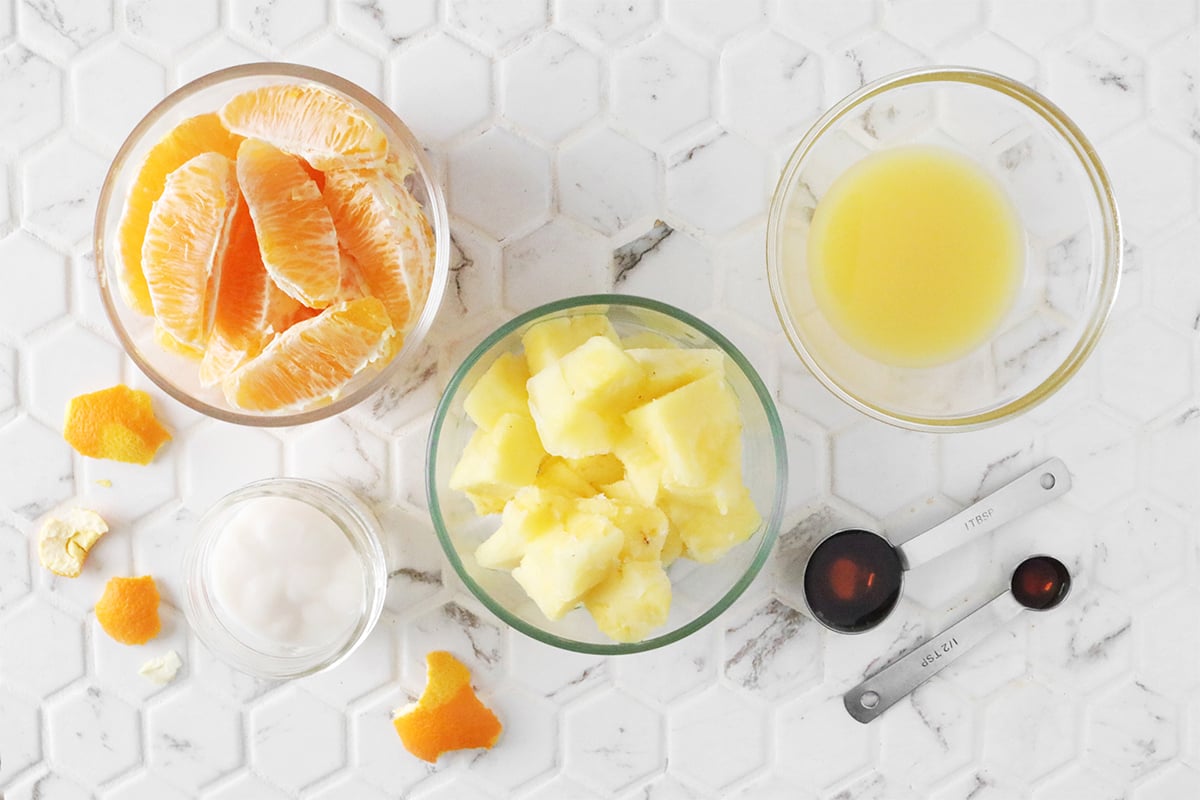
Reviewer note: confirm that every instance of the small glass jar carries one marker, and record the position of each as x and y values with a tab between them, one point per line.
222	634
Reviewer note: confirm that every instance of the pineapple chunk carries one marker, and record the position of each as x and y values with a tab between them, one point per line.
598	470
557	475
576	401
643	469
694	430
632	601
533	512
672	547
499	391
706	533
496	463
667	370
561	566
644	527
547	342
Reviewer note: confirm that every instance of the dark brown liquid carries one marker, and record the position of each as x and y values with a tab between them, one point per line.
1040	582
852	581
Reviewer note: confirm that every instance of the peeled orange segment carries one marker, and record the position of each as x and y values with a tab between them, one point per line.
187	232
325	129
449	716
384	228
249	306
190	138
313	360
296	237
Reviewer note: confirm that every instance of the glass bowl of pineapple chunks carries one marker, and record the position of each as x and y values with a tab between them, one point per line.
606	473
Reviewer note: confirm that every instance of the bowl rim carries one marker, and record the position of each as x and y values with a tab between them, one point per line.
439	223
1110	269
771	518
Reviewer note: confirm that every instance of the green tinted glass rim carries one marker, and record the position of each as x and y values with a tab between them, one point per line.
769	529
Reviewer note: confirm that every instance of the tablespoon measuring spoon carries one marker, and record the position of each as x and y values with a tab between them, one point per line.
1039	583
853	578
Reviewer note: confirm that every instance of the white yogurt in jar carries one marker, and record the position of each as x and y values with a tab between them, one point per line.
285	572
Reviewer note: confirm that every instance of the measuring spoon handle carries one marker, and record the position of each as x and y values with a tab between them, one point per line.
1033	489
898	679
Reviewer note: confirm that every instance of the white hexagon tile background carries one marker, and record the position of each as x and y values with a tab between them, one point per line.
628	145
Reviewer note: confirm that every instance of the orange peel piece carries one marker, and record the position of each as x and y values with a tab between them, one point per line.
448	716
117	423
128	609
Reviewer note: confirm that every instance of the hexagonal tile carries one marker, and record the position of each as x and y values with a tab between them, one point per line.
33	87
222	680
5	203
1021	750
431	70
493	25
615	741
1141	550
215	54
62	183
1084	644
476	640
244	787
369	667
296	739
594	193
1175	64
978	785
1155	179
700	727
409	395
8	384
1167	652
157	542
414	558
1100	452
455	787
145	785
600	22
550	86
787	86
1141	25
501	183
989	51
259	455
932	728
665	674
528	747
718	183
163	23
347	787
43	785
340	56
1023	23
386	25
117	665
1178	780
659	88
61	29
1131	732
30	488
114	86
1079	781
880	468
128	491
559	787
867	60
557	675
95	365
995	663
1175	286
20	736
193	738
817	23
927	24
1175	455
14	565
40	270
712	23
533	271
1099	83
104	736
333	451
274	27
769	649
667	264
808	460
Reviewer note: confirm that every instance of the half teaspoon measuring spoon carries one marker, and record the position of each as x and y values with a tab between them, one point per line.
1039	583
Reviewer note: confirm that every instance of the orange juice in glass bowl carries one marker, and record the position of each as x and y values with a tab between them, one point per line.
270	244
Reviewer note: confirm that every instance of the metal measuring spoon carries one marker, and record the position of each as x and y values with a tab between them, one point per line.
853	578
1039	583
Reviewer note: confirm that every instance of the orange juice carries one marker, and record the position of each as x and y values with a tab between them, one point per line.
915	254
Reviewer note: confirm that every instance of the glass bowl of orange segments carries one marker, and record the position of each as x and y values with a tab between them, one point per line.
343	345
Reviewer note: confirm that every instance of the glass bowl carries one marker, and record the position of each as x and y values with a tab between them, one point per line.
700	592
1064	205
176	374
229	640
